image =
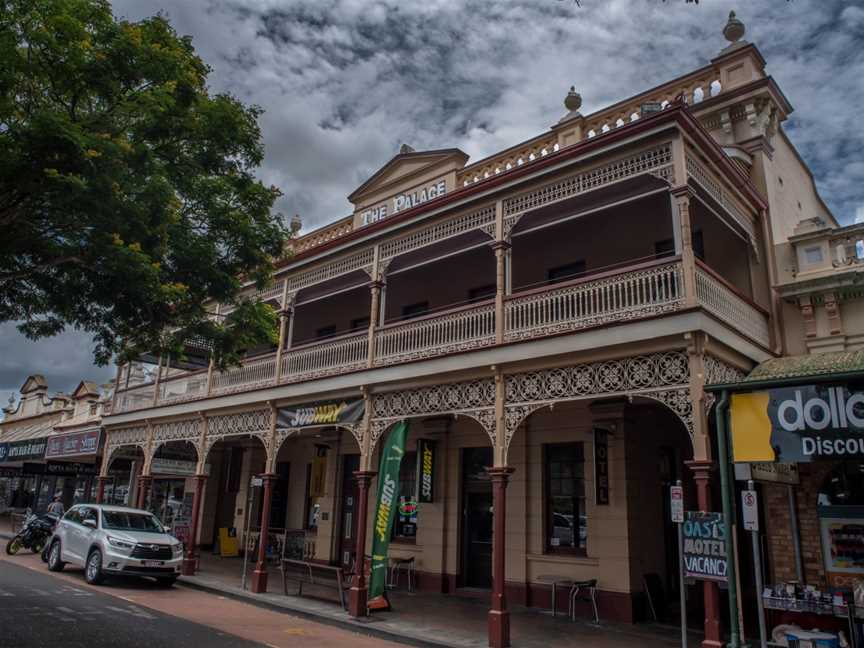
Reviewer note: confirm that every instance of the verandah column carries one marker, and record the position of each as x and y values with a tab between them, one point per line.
359	592
702	466
259	576
499	616
683	233
190	560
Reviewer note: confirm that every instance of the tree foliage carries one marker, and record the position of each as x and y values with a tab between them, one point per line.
127	192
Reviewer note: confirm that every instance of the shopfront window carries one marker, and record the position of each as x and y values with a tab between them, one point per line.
167	500
566	523
841	523
405	524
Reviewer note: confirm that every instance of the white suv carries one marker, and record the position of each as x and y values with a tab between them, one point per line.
115	540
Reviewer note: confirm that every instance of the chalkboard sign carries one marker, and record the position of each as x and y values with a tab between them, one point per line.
705	546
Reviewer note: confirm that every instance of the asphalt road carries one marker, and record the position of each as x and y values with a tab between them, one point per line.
40	610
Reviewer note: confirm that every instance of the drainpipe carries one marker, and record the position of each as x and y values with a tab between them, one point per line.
728	513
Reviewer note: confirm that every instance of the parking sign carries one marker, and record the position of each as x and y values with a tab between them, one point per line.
676	503
750	510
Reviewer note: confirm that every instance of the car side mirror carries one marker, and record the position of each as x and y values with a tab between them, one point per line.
89	523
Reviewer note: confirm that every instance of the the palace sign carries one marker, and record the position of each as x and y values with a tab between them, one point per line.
805	423
403	201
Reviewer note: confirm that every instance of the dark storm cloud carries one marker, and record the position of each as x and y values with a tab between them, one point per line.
344	82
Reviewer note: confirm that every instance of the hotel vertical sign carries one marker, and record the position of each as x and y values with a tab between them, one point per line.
601	467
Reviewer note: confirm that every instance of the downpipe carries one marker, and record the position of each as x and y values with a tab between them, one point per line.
728	504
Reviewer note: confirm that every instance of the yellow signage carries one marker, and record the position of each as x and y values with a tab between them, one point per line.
751	427
227	544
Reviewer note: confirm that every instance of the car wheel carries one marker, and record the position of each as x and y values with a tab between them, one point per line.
166	582
55	563
93	568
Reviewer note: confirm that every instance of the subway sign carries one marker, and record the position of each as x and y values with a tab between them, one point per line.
798	424
425	471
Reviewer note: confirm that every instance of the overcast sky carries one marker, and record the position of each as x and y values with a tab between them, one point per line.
344	82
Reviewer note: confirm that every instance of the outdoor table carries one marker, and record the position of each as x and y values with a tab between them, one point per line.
556	581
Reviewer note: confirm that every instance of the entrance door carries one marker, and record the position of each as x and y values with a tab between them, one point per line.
477	518
348	507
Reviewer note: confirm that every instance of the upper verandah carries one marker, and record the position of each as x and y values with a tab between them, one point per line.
734	80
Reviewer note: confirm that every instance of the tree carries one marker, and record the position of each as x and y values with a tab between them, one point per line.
127	191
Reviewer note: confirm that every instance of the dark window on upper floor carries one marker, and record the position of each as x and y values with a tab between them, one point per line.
481	292
360	323
412	310
699	245
566	272
664	248
326	331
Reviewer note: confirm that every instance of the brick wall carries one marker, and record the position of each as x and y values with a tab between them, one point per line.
781	552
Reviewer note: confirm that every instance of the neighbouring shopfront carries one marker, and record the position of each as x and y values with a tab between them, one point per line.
797	431
20	488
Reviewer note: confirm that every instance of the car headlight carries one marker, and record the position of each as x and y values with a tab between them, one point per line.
178	549
120	544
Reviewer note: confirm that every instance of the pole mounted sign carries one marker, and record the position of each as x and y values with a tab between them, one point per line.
750	510
676	503
798	424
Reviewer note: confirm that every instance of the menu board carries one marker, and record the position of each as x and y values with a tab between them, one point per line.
843	549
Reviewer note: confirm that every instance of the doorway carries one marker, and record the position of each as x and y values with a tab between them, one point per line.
348	517
477	518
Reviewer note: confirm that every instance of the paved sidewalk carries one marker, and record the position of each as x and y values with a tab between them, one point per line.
434	620
425	619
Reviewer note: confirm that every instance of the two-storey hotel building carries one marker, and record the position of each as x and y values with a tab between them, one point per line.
545	318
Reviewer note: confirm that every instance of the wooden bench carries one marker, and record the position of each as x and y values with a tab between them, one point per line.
311	573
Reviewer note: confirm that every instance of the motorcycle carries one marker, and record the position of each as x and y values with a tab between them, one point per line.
34	534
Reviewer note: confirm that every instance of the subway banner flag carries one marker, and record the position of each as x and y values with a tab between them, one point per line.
798	424
385	512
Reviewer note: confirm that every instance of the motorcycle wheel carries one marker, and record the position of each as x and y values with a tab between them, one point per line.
14	546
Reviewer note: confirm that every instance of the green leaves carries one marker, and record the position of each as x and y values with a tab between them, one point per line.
126	189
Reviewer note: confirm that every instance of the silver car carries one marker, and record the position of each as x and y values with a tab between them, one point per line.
115	541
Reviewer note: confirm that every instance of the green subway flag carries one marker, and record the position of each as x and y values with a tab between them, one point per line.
388	495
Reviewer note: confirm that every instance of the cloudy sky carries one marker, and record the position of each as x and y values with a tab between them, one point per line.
344	82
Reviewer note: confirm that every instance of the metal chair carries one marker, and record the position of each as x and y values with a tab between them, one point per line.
397	565
588	590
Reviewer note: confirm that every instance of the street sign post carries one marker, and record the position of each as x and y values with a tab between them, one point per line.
750	513
676	507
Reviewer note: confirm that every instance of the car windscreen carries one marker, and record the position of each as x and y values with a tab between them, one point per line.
123	521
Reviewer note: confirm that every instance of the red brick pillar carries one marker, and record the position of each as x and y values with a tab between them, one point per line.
702	476
259	576
359	591
190	561
499	616
100	490
144	483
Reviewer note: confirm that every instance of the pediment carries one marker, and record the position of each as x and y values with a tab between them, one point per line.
406	167
36	382
85	389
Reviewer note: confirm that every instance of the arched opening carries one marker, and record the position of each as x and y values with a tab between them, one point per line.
442	532
590	494
124	466
172	489
313	511
231	503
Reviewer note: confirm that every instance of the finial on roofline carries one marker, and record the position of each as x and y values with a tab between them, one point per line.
573	100
734	29
405	148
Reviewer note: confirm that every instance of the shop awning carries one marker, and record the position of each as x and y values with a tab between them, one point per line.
817	367
27	431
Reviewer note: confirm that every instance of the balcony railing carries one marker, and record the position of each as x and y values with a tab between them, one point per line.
622	294
722	300
257	372
335	355
432	335
649	290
